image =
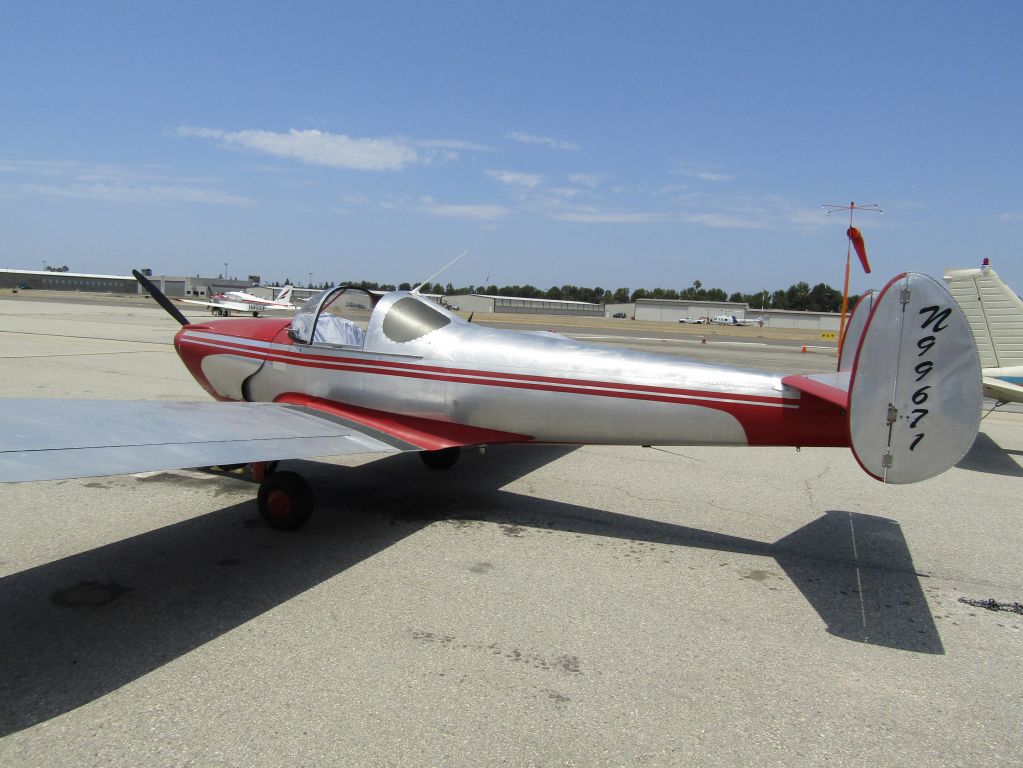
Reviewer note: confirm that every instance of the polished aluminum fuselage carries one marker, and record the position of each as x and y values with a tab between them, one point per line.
542	386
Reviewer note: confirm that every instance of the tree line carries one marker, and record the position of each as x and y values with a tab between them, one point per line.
799	296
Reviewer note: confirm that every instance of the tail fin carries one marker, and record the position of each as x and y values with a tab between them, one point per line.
908	379
915	390
995	314
284	297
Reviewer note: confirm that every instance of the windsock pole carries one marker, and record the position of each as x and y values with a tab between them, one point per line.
856	239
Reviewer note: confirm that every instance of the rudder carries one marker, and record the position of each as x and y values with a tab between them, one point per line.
915	389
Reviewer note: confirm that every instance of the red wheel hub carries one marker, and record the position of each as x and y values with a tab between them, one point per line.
278	503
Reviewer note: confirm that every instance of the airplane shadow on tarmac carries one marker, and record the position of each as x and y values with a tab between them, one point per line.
988	456
78	628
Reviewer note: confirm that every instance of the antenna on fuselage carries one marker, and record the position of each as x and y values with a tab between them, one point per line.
416	289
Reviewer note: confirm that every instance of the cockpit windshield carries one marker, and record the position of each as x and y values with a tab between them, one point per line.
410	318
335	317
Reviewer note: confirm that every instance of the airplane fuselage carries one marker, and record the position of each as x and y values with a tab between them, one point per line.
528	386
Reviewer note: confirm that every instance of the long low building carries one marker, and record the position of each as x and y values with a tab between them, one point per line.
518	305
672	311
171	285
66	281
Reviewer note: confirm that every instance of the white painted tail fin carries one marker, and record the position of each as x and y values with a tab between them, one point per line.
995	314
915	387
285	295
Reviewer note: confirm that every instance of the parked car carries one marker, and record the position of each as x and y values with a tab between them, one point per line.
619	315
693	320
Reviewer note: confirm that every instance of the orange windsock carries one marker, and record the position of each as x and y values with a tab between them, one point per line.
861	249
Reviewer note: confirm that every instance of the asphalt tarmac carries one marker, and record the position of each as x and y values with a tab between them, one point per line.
590	606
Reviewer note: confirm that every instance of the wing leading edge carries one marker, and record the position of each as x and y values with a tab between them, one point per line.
60	439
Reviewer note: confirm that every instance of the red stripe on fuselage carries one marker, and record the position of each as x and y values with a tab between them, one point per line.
476	376
767	420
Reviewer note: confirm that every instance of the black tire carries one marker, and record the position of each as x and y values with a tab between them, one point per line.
445	458
285	501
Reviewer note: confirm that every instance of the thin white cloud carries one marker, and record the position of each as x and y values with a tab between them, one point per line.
590	180
769	212
98	172
529	138
337	150
110	193
1011	216
516	179
105	182
453	144
702	174
333	150
471	212
595	216
726	220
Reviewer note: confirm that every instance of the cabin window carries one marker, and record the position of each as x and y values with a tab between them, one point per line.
410	319
333	317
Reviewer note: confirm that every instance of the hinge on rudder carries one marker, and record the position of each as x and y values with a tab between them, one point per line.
886	459
904	296
893	414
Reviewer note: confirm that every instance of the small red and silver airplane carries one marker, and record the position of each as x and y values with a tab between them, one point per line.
240	301
413	376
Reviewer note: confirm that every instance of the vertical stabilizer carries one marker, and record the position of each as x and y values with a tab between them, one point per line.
285	295
915	389
994	312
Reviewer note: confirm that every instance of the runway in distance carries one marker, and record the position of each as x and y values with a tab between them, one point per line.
239	301
906	397
995	314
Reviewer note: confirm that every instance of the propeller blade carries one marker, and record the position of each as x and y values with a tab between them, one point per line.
162	300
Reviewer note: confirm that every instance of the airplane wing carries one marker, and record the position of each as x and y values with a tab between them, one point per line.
60	439
997	389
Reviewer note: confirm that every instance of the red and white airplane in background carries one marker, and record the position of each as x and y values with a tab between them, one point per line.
413	376
240	301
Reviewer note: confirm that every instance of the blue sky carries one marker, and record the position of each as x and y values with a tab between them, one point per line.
611	144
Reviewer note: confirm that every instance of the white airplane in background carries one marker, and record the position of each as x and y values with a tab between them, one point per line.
733	320
240	301
995	315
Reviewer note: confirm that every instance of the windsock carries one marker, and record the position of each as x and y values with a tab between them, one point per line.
861	249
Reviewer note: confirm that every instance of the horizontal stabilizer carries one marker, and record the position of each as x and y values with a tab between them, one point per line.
831	387
1004	391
